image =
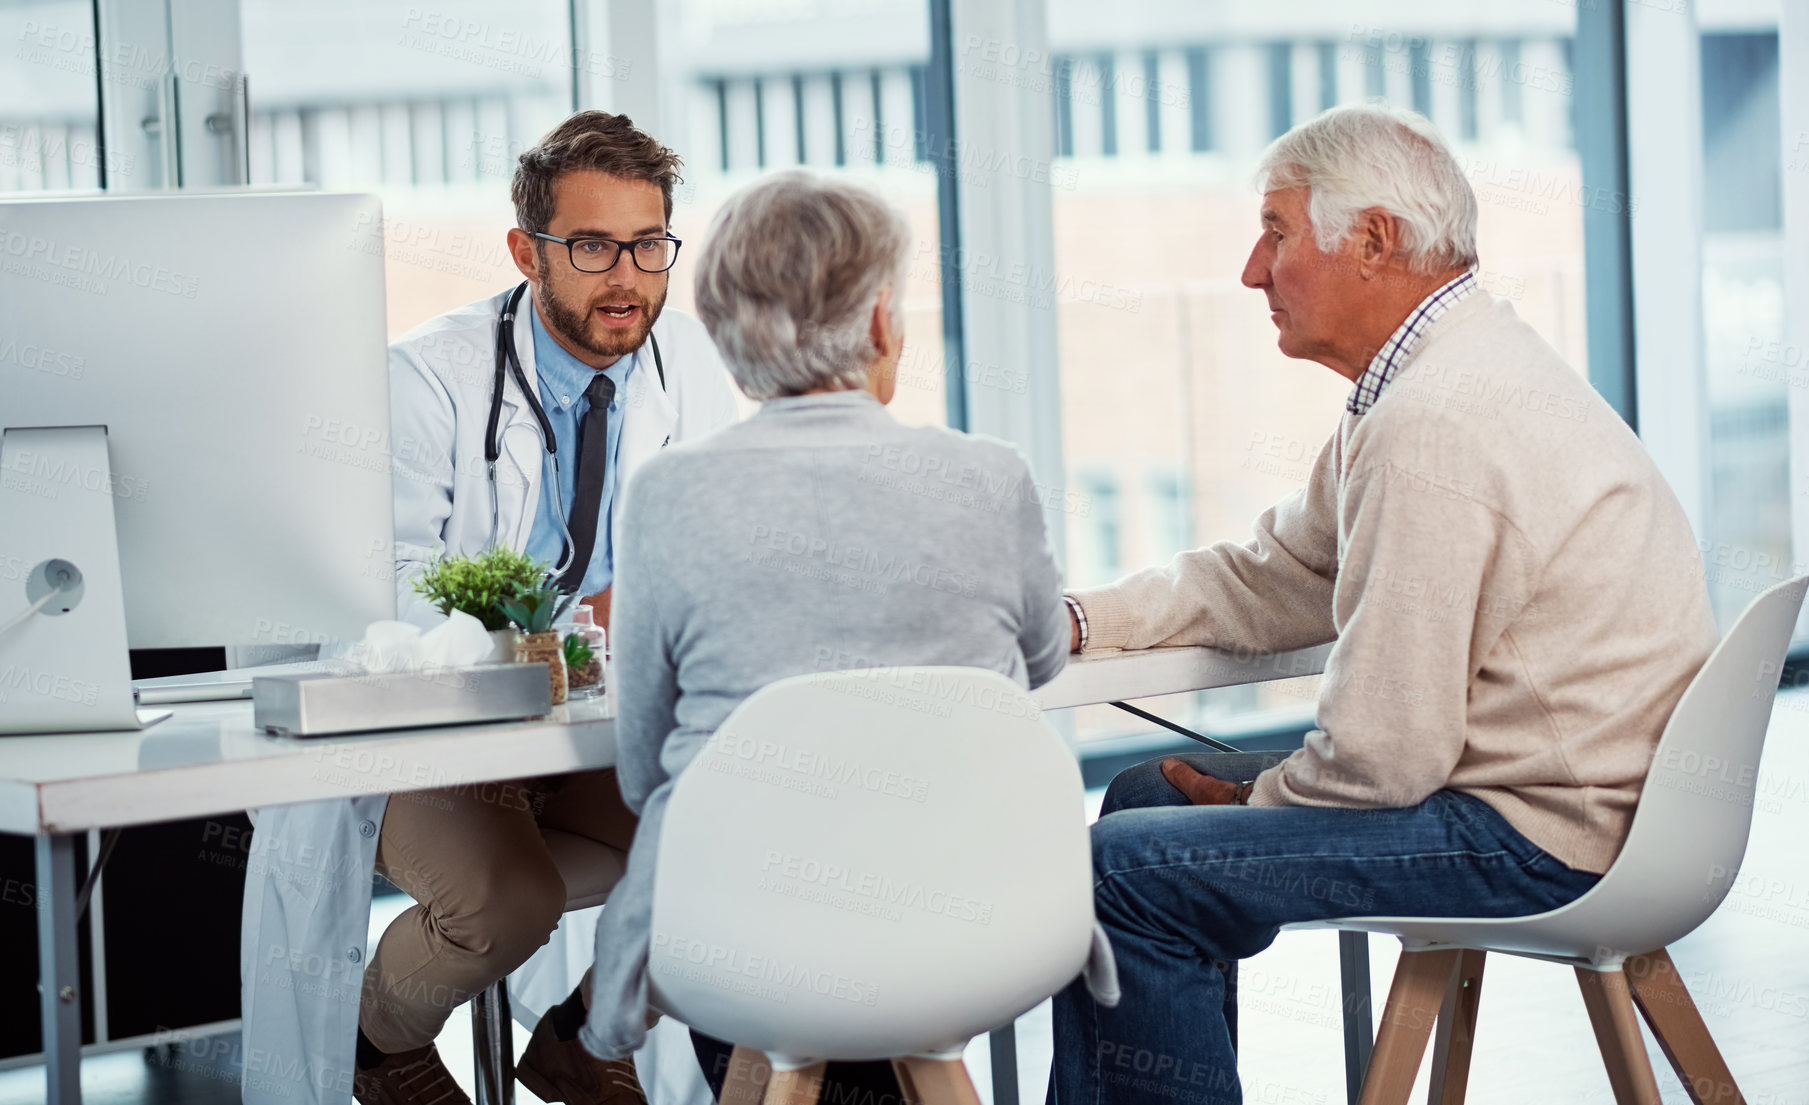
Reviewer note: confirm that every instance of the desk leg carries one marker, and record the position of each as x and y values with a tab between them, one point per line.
1005	1065
1359	1028
60	1005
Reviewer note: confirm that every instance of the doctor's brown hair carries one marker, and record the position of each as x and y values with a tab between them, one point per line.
589	140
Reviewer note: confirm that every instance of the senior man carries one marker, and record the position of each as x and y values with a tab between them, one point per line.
1514	592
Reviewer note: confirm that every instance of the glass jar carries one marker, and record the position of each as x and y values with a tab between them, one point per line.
549	649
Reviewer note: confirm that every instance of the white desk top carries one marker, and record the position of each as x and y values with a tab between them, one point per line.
1147	673
207	759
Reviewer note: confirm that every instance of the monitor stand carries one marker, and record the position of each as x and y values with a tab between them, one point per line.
64	668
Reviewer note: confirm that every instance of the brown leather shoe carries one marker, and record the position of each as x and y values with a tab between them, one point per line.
415	1077
561	1070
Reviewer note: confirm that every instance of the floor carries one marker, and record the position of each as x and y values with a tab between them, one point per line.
1748	968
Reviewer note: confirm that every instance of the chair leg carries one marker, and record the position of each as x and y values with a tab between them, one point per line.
1610	1007
1359	1022
492	1045
907	1088
1660	994
935	1081
1413	1002
795	1087
1457	1031
745	1082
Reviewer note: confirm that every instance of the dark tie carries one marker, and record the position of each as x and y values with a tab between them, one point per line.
593	462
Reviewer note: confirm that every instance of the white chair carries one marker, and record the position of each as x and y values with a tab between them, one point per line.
870	865
1682	853
591	870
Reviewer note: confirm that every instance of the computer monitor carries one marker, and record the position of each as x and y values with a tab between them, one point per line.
233	347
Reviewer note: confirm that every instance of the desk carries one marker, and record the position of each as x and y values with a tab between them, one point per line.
206	759
1147	673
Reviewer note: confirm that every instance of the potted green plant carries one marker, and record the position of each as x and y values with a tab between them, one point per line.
478	586
534	612
583	667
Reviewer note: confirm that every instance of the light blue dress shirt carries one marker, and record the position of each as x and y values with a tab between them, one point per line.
562	379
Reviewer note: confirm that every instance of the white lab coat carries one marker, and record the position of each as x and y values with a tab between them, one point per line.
308	882
441	375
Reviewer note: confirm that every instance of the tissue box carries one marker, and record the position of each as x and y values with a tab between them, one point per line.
319	703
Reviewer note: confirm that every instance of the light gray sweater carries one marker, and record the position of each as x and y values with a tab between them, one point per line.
819	535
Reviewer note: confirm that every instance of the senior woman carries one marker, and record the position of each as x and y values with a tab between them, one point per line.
820	534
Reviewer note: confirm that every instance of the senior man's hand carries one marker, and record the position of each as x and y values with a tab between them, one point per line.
1202	789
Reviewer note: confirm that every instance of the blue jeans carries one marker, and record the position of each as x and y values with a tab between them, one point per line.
1186	891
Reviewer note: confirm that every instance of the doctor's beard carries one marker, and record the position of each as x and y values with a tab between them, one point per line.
578	325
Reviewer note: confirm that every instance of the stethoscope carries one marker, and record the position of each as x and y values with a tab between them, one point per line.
508	361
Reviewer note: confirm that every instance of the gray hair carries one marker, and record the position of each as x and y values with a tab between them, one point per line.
787	281
1362	156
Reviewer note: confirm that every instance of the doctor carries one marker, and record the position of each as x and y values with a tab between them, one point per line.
587	324
519	421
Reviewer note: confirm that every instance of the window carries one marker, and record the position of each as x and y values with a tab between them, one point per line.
1281	88
1747	525
426	106
1152	105
1171	510
759	85
1102	553
1328	74
49	138
1064	107
430	107
1199	99
1168	365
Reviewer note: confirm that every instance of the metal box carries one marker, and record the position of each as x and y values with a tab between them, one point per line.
318	703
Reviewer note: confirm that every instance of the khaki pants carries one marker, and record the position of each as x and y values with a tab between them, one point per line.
487	892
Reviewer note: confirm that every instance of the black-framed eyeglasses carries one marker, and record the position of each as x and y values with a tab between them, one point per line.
601	254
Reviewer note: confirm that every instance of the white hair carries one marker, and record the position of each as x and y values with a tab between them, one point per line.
1362	156
787	282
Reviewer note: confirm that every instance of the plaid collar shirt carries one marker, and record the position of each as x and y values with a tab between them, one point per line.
1401	344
